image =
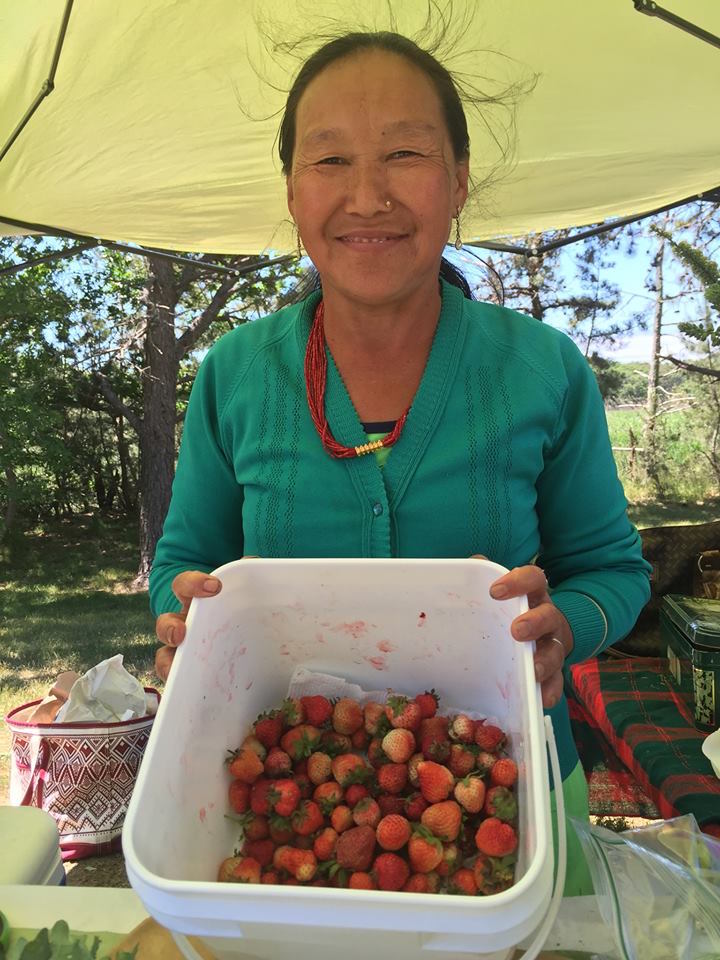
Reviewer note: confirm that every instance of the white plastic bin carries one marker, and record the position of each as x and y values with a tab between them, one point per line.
30	847
405	624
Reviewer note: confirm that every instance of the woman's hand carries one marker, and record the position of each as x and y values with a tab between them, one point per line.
543	622
170	627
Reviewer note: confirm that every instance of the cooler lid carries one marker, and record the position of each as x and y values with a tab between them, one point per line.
697	618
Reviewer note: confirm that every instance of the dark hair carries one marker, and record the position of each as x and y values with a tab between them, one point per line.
353	43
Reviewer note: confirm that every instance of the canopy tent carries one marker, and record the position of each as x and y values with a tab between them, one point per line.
160	127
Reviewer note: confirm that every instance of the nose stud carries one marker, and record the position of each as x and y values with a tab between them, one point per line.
388	204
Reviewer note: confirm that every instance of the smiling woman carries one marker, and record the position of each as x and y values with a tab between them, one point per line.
389	415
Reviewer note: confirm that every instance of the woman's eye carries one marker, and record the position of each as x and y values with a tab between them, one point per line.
403	153
331	160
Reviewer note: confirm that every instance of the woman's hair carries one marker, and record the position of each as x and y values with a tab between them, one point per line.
442	81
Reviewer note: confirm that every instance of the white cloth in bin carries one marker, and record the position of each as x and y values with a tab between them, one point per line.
106	693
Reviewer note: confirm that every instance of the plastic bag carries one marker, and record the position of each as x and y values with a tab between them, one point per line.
658	888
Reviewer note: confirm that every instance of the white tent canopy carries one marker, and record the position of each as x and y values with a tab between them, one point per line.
161	126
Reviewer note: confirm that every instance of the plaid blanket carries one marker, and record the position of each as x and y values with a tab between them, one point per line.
648	723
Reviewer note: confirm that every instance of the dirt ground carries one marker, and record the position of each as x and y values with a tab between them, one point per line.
106	871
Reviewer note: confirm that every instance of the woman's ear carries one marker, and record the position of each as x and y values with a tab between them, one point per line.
462	175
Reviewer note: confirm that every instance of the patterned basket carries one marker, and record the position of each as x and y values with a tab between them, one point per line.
82	774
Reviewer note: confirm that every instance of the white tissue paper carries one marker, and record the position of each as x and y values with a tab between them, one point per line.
106	693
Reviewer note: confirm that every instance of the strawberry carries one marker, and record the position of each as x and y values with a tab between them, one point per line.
300	864
328	796
293	712
435	746
375	753
260	796
501	803
495	838
463	881
251	742
375	720
350	768
254	826
390	803
402	712
319	767
284	797
307	818
334	743
360	739
391	872
260	850
341	818
415	804
484	762
470	794
318	710
428	703
434	726
239	796
399	745
355	848
354	793
281	830
443	819
277	763
301	741
268	728
225	873
504	772
366	812
488	737
359	880
436	781
461	760
413	762
240	870
493	875
418	883
462	728
245	765
270	876
324	844
393	832
347	716
304	786
450	860
392	777
424	851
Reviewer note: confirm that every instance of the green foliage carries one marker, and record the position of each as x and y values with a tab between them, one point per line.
59	943
708	273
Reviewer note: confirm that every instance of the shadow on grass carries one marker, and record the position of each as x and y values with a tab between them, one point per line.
671	513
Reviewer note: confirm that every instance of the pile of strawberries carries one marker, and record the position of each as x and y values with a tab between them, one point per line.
382	796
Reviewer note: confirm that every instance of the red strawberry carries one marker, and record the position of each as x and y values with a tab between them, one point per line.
270	876
436	781
277	763
300	864
375	721
375	753
318	710
366	812
240	870
350	768
360	739
393	832
293	712
488	737
268	728
307	818
399	745
424	851
328	796
470	794
428	703
435	746
501	803
239	796
415	805
260	796
462	728
347	716
284	796
418	883
304	786
504	772
255	826
463	881
301	741
461	760
361	881
341	818
334	743
493	875
354	793
415	759
443	819
392	777
355	848
281	830
252	743
391	872
324	844
260	850
402	712
495	838
245	765
319	767
484	762
391	804
434	726
450	860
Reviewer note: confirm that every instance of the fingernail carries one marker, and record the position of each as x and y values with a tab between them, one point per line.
211	586
522	630
539	672
170	640
498	591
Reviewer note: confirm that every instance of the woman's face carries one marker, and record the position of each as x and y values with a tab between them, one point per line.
369	129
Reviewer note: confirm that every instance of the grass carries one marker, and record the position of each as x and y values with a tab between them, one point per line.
648	514
65	604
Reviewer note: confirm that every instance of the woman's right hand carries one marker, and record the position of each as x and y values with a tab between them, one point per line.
170	627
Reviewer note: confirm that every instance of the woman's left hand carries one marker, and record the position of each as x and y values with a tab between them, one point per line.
543	622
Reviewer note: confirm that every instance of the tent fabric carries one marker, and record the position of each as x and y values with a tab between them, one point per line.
162	123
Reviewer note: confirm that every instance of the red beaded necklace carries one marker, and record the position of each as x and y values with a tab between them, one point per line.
315	381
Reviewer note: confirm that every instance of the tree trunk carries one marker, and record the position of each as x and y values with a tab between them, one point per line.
157	432
651	407
127	488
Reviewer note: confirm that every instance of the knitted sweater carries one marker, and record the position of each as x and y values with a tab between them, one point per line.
505	452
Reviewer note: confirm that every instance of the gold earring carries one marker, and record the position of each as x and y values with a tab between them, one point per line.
299	243
458	239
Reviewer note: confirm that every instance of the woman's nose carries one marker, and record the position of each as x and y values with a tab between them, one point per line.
367	190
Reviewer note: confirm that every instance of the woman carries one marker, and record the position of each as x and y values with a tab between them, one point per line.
493	434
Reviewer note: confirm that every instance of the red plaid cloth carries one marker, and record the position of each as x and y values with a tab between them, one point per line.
648	723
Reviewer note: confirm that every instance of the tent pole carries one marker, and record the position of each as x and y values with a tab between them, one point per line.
651	9
48	258
47	87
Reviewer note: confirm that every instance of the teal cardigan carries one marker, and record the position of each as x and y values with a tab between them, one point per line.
505	452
